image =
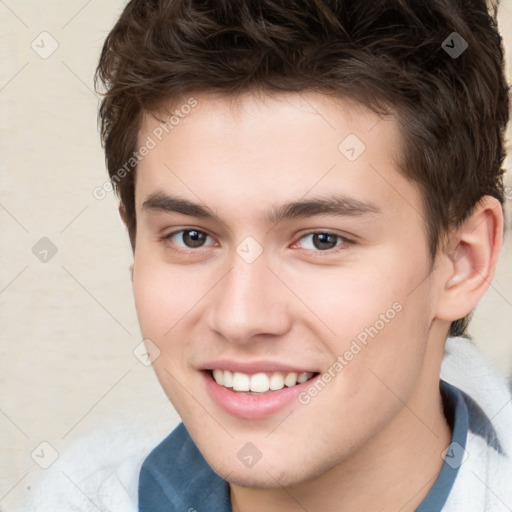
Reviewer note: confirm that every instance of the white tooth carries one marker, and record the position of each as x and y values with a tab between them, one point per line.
259	382
228	379
290	379
241	382
218	375
303	377
276	381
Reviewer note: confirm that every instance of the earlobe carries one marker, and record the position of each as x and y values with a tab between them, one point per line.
470	260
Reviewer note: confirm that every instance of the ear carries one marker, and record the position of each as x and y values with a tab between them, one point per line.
468	262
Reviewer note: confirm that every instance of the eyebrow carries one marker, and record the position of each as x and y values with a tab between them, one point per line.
335	205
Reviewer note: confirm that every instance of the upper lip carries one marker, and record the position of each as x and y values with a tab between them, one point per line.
257	366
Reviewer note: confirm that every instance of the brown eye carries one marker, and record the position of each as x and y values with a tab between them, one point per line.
188	238
322	241
193	238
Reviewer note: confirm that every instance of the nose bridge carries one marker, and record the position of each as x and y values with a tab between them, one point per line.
248	302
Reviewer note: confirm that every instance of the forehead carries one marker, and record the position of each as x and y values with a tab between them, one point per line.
261	149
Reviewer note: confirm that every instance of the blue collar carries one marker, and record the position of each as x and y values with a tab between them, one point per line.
456	413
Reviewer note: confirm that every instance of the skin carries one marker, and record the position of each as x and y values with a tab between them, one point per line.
372	438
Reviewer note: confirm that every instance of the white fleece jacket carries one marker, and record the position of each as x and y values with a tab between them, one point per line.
100	471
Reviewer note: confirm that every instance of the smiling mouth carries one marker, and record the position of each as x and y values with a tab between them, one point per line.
259	383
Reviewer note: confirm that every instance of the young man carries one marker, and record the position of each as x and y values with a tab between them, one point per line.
313	193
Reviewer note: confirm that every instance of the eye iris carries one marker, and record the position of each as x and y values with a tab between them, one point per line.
324	240
193	238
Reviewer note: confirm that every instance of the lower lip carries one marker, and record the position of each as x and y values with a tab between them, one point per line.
252	407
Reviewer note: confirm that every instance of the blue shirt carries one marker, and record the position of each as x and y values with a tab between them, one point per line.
175	477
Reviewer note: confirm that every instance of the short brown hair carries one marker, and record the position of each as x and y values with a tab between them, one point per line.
391	56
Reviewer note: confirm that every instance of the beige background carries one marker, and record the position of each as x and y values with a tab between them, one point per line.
68	326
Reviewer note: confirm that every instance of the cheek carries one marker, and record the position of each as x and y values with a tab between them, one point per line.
163	300
151	296
164	294
379	318
347	301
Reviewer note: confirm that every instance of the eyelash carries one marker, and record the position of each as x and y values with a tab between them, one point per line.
344	242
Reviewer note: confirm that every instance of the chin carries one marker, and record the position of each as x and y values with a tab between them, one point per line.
268	476
261	480
252	481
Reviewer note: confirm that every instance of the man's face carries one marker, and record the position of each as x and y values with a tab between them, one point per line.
244	285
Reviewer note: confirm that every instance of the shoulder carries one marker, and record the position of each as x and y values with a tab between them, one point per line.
485	472
485	390
99	471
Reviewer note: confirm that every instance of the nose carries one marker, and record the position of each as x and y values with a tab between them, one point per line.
249	302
